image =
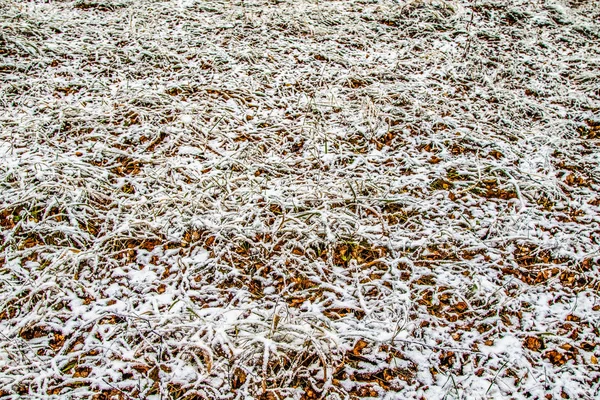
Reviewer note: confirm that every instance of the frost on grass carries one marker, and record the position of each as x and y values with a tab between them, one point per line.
299	199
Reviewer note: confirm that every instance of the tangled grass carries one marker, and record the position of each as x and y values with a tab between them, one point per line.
299	199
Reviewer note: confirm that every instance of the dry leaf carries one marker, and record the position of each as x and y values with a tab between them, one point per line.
533	343
358	347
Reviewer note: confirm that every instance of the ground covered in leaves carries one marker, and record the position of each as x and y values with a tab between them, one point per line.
299	199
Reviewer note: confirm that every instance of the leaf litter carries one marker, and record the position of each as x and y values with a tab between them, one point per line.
307	199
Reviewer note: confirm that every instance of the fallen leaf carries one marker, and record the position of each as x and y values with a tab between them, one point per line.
533	343
358	347
555	357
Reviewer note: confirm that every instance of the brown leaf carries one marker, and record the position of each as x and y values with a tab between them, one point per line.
365	391
447	359
154	374
309	394
82	372
461	306
567	347
57	342
587	346
496	154
533	343
239	378
555	357
141	368
358	347
32	332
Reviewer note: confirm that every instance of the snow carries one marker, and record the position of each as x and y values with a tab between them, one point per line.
328	199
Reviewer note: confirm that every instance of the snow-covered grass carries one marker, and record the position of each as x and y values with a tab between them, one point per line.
299	199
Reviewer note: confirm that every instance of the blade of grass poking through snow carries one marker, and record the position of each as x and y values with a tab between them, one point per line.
299	199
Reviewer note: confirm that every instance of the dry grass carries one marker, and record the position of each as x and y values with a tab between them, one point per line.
299	199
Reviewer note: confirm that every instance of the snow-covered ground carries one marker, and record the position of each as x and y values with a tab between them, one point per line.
299	199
